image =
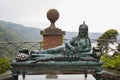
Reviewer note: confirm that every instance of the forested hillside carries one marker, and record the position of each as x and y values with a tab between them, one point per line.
16	32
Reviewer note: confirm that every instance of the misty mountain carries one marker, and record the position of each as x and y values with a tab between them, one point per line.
17	32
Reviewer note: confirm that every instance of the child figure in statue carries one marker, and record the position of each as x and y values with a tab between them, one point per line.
79	46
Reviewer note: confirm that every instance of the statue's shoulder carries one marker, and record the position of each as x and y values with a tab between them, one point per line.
88	39
73	39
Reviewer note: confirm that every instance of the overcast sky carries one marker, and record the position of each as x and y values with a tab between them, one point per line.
99	15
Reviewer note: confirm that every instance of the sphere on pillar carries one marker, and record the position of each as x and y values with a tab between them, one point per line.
52	15
52	36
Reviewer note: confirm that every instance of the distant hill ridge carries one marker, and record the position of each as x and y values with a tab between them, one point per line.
17	32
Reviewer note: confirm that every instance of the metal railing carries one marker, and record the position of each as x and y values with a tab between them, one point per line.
10	49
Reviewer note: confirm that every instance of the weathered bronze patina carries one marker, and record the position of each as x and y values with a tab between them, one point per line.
79	47
75	55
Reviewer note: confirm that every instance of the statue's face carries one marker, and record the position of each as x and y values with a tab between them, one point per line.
83	31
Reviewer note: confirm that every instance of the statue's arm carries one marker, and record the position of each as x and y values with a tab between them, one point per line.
88	48
68	44
73	39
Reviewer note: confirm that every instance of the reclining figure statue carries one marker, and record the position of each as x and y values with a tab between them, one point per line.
75	55
79	47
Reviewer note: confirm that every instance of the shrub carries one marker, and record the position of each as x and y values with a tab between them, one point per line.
4	65
111	62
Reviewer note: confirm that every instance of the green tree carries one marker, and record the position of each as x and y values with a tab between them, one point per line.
109	37
4	65
106	38
111	62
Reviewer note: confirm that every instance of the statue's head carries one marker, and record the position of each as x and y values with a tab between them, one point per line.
83	30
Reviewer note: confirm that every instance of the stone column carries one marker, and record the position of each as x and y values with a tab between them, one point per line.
52	36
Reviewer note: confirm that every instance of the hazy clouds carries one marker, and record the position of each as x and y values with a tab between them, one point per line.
99	15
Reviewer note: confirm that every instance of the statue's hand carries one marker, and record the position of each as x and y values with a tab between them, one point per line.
77	49
80	48
73	49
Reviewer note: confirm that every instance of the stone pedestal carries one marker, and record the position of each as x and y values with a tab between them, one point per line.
52	36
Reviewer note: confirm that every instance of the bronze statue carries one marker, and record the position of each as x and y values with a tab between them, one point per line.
75	55
79	46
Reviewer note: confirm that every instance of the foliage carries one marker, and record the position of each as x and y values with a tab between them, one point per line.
112	62
41	45
4	65
109	36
